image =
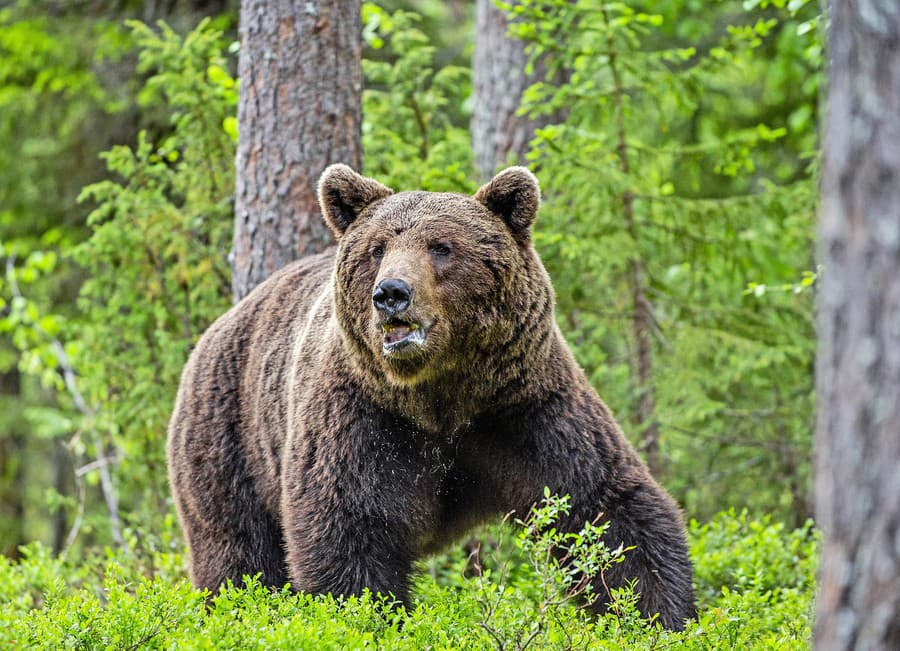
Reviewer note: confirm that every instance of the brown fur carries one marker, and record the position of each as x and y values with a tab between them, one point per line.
301	450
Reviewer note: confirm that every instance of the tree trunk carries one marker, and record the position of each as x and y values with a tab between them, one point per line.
857	466
62	480
642	320
300	109
499	79
13	453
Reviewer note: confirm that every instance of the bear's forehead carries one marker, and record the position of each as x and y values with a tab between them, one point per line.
405	209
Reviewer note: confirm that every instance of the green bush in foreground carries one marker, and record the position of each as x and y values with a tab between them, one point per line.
754	581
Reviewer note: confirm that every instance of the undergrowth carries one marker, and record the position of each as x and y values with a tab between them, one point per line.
754	582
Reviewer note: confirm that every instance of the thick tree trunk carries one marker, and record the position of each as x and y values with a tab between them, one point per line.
498	67
857	466
299	110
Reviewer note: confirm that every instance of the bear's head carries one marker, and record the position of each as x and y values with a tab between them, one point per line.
426	282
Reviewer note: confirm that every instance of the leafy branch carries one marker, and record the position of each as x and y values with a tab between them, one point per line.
67	370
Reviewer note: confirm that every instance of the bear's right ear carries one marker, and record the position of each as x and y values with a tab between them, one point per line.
344	194
515	196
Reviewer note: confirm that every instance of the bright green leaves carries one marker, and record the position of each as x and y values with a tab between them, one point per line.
190	78
230	126
754	579
807	280
158	273
411	109
156	276
707	140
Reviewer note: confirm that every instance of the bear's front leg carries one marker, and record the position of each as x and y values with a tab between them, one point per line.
355	498
570	443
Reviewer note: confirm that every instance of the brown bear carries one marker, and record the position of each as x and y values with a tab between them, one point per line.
363	407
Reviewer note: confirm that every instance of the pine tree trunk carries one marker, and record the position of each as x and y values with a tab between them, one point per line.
300	109
498	68
857	470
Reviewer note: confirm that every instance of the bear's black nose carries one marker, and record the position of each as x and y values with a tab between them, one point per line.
392	296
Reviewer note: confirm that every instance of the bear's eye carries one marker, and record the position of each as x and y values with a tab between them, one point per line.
440	248
378	251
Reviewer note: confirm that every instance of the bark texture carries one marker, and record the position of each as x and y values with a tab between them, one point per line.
857	466
300	109
499	136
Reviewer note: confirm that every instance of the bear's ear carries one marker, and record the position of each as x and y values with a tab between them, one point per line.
514	195
344	194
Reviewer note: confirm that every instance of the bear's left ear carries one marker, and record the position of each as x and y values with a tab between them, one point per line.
344	194
514	195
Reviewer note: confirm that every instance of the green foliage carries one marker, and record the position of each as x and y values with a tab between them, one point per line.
51	97
408	136
157	256
720	229
714	107
157	276
741	554
670	190
49	91
755	582
156	259
530	595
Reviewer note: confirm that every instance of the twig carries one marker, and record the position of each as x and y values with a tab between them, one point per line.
65	365
420	123
79	515
94	465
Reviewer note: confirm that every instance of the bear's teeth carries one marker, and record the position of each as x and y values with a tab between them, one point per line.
390	327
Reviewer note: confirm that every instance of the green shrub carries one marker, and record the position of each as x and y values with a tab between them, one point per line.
755	583
409	137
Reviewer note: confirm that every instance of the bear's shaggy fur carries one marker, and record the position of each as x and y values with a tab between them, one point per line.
331	428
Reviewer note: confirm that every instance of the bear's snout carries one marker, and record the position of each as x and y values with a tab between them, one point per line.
392	296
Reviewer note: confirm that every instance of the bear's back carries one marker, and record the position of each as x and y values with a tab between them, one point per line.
233	389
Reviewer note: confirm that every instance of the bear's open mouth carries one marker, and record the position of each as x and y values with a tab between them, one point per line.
398	333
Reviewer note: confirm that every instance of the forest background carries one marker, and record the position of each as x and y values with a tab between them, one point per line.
676	144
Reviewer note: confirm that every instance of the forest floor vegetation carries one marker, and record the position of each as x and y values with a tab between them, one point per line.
755	582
